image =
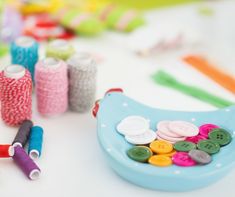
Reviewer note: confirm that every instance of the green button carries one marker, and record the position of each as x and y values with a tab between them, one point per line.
220	136
184	146
139	153
209	146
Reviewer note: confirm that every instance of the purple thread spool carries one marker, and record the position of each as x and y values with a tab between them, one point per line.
27	165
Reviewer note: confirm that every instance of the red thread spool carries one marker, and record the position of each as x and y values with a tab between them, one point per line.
16	95
6	151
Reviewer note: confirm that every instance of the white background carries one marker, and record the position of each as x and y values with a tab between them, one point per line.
72	163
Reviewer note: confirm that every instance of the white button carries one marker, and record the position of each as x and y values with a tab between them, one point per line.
133	125
144	138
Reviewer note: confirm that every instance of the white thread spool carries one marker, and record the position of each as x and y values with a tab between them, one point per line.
82	82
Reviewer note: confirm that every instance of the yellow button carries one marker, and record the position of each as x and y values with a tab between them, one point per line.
170	154
161	147
160	160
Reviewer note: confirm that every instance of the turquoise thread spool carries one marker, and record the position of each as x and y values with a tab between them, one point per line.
35	142
24	51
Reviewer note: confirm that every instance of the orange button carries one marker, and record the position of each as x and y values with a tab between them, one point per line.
160	160
170	154
161	147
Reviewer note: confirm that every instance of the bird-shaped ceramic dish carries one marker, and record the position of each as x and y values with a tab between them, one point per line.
115	106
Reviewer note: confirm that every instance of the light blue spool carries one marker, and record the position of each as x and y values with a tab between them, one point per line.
116	106
35	142
24	51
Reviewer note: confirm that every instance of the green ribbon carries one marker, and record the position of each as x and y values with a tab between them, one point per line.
166	79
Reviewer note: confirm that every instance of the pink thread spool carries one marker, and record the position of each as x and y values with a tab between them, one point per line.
51	81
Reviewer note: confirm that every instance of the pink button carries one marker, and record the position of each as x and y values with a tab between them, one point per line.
196	139
169	138
206	129
183	159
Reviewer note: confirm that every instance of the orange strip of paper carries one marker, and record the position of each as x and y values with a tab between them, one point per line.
219	76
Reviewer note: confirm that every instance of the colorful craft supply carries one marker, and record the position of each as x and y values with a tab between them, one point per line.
133	125
161	147
120	18
183	159
82	23
22	135
26	164
184	146
115	106
199	156
196	139
15	95
11	24
44	27
160	160
139	153
169	138
202	65
221	136
205	129
209	146
24	51
163	127
145	138
82	82
51	81
170	154
6	151
183	128
35	142
59	49
167	80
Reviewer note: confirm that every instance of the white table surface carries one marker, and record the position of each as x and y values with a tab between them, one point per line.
72	163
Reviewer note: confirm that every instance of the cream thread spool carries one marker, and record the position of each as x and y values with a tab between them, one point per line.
82	82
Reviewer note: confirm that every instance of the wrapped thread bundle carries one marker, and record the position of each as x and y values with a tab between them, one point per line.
24	51
59	49
15	95
82	82
51	82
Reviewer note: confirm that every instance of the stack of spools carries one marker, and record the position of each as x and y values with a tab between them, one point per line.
16	109
64	78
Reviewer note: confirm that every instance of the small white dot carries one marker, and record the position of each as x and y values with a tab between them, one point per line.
103	125
233	133
136	164
124	104
177	172
193	119
108	150
218	165
227	110
148	120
